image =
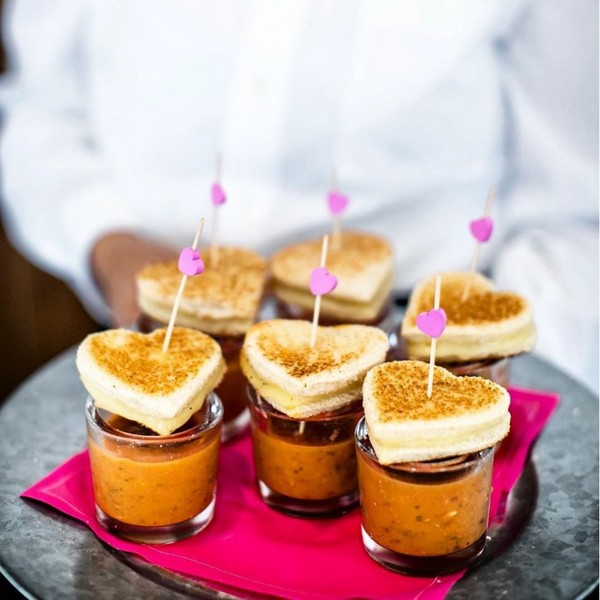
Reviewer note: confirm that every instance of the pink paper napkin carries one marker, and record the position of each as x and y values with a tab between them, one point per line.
251	547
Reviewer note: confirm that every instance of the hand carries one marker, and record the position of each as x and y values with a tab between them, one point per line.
116	259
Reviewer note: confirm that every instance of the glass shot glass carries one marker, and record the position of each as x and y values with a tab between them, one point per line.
305	467
153	488
289	310
232	389
496	370
423	518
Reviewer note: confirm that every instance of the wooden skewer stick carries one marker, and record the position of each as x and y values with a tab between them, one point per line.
317	310
184	278
219	164
334	180
486	213
436	305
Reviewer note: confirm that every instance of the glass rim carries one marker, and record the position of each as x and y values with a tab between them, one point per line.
477	363
487	362
384	311
442	465
263	405
212	400
157	324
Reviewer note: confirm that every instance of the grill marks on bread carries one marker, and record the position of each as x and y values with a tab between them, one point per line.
302	381
358	251
401	393
488	324
463	414
483	305
128	374
291	350
137	359
363	264
223	300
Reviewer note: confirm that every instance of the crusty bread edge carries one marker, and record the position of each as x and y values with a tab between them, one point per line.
441	447
298	406
97	381
213	325
317	384
466	343
417	440
335	306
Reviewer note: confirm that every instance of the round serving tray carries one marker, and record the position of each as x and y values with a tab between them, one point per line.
520	505
546	548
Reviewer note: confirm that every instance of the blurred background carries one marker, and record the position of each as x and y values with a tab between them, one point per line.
42	317
39	315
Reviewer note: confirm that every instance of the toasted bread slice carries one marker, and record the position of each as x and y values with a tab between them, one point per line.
128	374
301	381
487	324
362	263
463	415
224	300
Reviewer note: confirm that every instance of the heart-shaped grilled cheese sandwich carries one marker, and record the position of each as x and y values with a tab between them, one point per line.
463	415
362	263
487	324
301	381
223	300
128	374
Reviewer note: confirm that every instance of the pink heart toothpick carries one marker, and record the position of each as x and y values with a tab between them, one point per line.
432	323
337	204
481	229
321	282
217	194
190	263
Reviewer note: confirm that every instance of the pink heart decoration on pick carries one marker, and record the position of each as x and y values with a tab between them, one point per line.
337	203
481	229
217	194
190	262
433	322
322	281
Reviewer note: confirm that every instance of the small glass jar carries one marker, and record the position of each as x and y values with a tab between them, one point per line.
288	310
397	349
232	389
153	488
424	518
305	467
496	369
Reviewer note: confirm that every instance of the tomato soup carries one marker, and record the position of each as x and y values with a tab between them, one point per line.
424	517
149	481
232	389
305	467
309	472
405	514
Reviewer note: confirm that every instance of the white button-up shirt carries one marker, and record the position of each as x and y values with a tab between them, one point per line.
114	112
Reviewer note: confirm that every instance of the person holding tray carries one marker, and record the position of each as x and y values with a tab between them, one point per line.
113	117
